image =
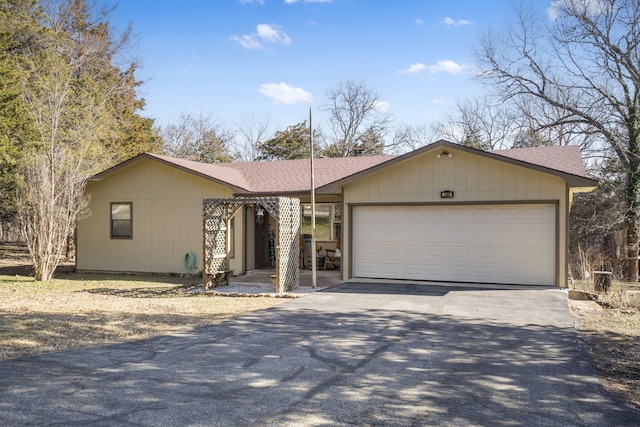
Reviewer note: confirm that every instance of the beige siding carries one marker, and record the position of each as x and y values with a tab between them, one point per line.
167	219
473	178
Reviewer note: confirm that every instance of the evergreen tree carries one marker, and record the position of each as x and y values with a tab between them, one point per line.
19	35
473	139
92	41
289	144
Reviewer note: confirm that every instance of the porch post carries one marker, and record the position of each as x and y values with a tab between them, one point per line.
279	285
313	210
204	244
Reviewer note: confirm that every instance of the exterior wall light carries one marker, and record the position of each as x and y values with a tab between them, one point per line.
259	215
445	154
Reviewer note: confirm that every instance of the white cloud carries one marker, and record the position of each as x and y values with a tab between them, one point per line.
444	66
438	101
272	34
458	23
419	22
283	93
450	67
265	34
552	10
414	68
381	106
251	1
247	41
589	7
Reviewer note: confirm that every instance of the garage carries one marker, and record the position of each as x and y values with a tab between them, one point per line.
488	243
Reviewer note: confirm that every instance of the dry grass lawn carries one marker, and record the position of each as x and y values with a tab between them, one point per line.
86	310
611	330
94	310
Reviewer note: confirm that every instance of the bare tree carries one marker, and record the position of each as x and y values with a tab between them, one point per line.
250	134
69	119
52	202
198	138
540	123
482	123
584	63
408	137
600	212
486	124
448	128
354	111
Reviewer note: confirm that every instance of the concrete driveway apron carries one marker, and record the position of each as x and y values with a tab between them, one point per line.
354	354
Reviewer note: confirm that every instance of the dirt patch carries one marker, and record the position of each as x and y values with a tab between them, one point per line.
612	336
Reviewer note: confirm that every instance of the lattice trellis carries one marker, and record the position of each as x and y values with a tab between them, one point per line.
288	245
216	214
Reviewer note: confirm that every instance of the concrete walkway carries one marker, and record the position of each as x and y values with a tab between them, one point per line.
353	354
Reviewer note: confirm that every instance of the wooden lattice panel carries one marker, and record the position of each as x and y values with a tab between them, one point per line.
215	239
289	240
272	205
216	214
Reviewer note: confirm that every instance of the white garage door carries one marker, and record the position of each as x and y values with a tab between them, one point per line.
512	244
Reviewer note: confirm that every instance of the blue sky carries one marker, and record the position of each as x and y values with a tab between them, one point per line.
273	59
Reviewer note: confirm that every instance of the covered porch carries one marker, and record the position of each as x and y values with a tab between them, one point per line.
266	240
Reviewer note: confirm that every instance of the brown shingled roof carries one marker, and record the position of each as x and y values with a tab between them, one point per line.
293	176
280	176
565	158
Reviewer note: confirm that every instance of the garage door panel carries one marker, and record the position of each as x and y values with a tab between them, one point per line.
389	268
492	243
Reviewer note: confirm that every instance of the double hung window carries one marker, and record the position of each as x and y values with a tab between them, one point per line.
121	220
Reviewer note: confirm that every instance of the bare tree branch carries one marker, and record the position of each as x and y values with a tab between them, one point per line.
198	138
581	74
250	134
354	111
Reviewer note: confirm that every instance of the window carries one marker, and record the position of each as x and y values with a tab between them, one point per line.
328	220
122	220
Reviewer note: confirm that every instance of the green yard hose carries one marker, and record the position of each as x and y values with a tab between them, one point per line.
189	263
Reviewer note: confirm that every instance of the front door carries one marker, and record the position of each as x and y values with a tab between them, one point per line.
262	243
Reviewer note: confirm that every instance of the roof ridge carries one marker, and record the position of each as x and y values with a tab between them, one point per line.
258	176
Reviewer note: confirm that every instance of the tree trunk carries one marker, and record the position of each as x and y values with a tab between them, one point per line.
631	214
632	251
